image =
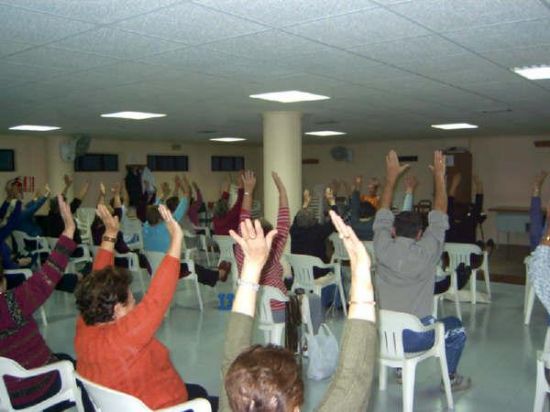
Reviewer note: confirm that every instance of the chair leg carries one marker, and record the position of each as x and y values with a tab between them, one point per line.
342	297
408	375
541	387
43	315
473	287
529	306
382	377
446	379
199	296
485	268
457	300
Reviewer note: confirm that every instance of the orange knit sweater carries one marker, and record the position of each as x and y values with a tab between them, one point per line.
125	355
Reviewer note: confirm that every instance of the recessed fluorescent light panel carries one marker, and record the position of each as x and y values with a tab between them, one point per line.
35	128
289	96
454	126
533	73
133	115
227	139
325	133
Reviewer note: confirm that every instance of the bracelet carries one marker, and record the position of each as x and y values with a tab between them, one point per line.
362	302
247	194
252	285
108	238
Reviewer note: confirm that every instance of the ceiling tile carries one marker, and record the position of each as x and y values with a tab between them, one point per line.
518	57
9	47
359	28
14	73
280	13
202	25
504	36
97	11
116	43
61	59
270	45
17	25
449	15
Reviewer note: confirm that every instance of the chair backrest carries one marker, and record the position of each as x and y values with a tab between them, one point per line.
267	294
26	272
390	326
302	268
460	253
69	391
340	252
225	243
154	259
110	400
19	237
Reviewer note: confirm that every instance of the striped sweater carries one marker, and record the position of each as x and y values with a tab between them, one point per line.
20	338
272	273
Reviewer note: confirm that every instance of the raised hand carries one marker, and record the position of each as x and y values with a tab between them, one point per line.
329	196
165	188
249	181
67	216
306	198
102	190
538	182
254	245
68	180
393	167
357	182
115	190
47	190
110	222
410	183
278	182
185	186
358	255
174	229
439	166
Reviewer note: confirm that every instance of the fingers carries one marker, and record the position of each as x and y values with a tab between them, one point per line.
240	241
270	237
165	213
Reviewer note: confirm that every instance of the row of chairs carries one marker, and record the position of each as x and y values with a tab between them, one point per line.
103	398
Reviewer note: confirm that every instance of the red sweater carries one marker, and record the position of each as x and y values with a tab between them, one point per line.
229	221
125	355
20	338
272	273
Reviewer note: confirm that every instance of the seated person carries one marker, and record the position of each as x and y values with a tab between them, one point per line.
268	378
539	267
20	339
27	222
115	339
272	273
464	218
537	222
361	213
156	237
372	192
406	260
225	218
308	236
54	222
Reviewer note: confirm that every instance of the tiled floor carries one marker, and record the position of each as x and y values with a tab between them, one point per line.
499	356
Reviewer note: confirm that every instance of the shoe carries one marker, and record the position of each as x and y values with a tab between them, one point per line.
224	268
399	376
458	383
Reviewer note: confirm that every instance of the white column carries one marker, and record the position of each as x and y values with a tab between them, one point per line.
57	167
282	147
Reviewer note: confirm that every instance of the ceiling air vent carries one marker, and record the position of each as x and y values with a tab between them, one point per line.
341	154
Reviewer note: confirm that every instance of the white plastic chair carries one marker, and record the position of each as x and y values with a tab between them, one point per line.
460	253
155	258
225	244
340	253
273	332
132	262
110	400
86	255
41	244
133	233
302	266
391	325
542	387
69	390
529	297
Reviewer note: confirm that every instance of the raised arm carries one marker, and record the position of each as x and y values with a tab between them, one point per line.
102	192
68	180
193	211
410	186
249	183
13	221
439	169
255	247
350	386
283	218
355	199
31	294
105	255
117	201
393	171
141	324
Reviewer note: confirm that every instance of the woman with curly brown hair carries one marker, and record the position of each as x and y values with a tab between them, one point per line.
115	337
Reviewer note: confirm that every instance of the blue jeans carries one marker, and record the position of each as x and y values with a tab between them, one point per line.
455	339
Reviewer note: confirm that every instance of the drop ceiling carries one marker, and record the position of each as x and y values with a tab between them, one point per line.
391	68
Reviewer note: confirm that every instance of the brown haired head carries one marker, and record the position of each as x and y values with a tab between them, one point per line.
264	379
172	203
152	215
98	293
